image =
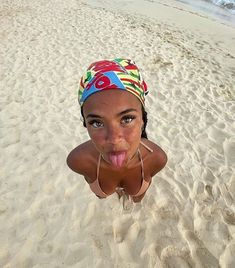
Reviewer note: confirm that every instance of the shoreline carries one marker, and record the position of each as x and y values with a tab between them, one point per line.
178	15
212	10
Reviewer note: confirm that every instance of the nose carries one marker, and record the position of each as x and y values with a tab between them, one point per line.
114	134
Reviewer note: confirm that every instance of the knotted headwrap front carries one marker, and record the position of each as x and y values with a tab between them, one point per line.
120	74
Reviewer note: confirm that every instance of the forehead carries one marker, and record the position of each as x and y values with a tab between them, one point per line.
111	100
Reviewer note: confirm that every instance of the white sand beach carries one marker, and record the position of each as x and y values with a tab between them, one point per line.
48	215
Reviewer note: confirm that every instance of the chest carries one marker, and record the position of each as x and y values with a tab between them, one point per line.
130	180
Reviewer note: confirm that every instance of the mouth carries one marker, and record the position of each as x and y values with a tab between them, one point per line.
117	158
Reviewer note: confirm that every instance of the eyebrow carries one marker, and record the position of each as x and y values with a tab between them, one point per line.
119	114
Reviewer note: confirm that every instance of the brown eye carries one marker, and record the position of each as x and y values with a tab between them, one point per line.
96	124
128	119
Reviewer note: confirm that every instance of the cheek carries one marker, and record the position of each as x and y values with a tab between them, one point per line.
98	137
132	134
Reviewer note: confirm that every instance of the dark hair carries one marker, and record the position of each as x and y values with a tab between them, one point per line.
145	119
144	116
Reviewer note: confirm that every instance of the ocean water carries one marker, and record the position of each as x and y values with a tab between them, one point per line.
220	9
226	4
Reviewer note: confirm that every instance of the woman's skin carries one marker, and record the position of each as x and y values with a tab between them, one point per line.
114	123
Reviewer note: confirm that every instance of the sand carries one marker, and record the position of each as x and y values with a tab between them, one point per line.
48	215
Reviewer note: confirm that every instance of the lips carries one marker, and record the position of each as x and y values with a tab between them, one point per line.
117	158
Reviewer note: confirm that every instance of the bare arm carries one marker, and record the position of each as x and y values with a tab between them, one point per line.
75	161
160	160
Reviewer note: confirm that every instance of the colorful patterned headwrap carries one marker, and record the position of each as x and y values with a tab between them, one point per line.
122	74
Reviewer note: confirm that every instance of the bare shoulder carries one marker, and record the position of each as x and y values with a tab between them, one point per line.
80	158
158	157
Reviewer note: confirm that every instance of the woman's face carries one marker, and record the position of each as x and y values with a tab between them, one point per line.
114	123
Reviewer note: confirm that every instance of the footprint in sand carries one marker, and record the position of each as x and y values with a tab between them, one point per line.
152	252
133	232
208	189
174	257
227	258
121	227
200	254
226	195
203	193
90	212
228	216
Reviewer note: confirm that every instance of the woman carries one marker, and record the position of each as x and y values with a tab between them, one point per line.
118	157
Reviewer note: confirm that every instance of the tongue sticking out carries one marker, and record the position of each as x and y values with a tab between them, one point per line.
117	159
